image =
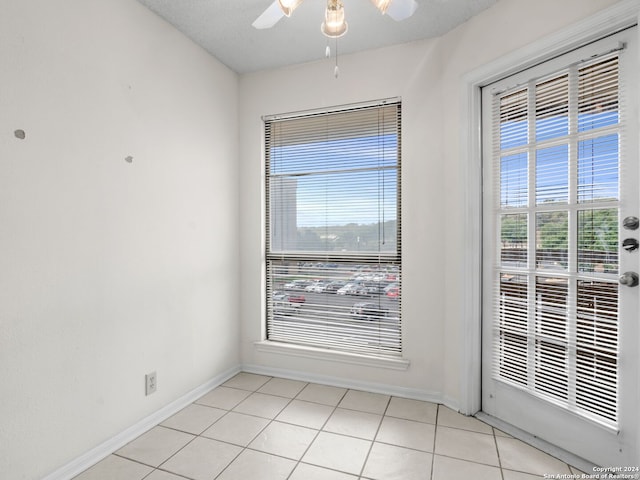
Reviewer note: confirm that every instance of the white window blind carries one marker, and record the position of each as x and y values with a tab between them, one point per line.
333	249
558	163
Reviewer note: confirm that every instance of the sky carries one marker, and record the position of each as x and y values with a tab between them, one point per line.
597	168
341	181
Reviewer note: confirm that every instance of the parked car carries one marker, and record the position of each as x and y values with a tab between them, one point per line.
297	285
298	298
348	289
278	295
360	289
283	307
317	287
367	311
393	292
334	286
373	288
390	286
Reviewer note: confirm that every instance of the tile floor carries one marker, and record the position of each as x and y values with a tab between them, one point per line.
263	428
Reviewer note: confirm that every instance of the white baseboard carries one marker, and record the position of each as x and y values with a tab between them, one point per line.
93	456
413	393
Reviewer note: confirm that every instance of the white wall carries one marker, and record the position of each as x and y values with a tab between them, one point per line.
109	269
427	75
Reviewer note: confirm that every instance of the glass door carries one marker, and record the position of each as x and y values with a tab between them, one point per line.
560	309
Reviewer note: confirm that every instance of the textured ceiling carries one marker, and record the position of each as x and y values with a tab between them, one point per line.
223	28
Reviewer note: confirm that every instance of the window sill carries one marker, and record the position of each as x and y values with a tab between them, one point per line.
331	355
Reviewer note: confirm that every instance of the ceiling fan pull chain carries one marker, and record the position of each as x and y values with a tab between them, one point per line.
336	71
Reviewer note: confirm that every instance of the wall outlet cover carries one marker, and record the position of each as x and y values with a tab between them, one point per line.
151	383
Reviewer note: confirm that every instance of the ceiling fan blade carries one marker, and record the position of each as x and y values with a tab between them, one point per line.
401	9
269	17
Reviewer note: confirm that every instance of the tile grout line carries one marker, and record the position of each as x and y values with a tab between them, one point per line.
373	441
495	442
191	441
243	448
335	407
466	460
271	420
169	472
435	434
153	467
321	428
200	434
274	419
156	467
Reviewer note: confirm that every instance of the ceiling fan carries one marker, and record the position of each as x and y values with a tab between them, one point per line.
334	24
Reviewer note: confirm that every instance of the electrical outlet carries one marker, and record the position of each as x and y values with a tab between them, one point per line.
151	383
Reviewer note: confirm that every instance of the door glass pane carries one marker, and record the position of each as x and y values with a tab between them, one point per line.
551	362
551	374
598	95
597	347
551	240
514	180
551	307
512	349
513	240
598	240
513	120
598	169
552	174
552	108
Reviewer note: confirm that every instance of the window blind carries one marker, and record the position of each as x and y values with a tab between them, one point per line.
557	160
333	243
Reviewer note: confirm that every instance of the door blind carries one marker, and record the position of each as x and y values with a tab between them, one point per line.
557	163
333	245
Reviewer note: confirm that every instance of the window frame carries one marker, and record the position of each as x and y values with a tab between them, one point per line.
372	258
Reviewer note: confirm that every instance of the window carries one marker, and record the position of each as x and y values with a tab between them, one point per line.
333	229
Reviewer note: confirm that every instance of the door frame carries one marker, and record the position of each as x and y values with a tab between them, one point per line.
621	15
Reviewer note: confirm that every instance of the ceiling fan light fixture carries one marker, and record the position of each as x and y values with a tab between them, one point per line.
334	25
288	6
382	5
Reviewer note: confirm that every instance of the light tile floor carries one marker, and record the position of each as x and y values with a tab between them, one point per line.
263	428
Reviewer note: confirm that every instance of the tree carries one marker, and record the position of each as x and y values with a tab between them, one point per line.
513	230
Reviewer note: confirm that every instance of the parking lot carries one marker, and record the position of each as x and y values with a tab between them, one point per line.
342	305
333	319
